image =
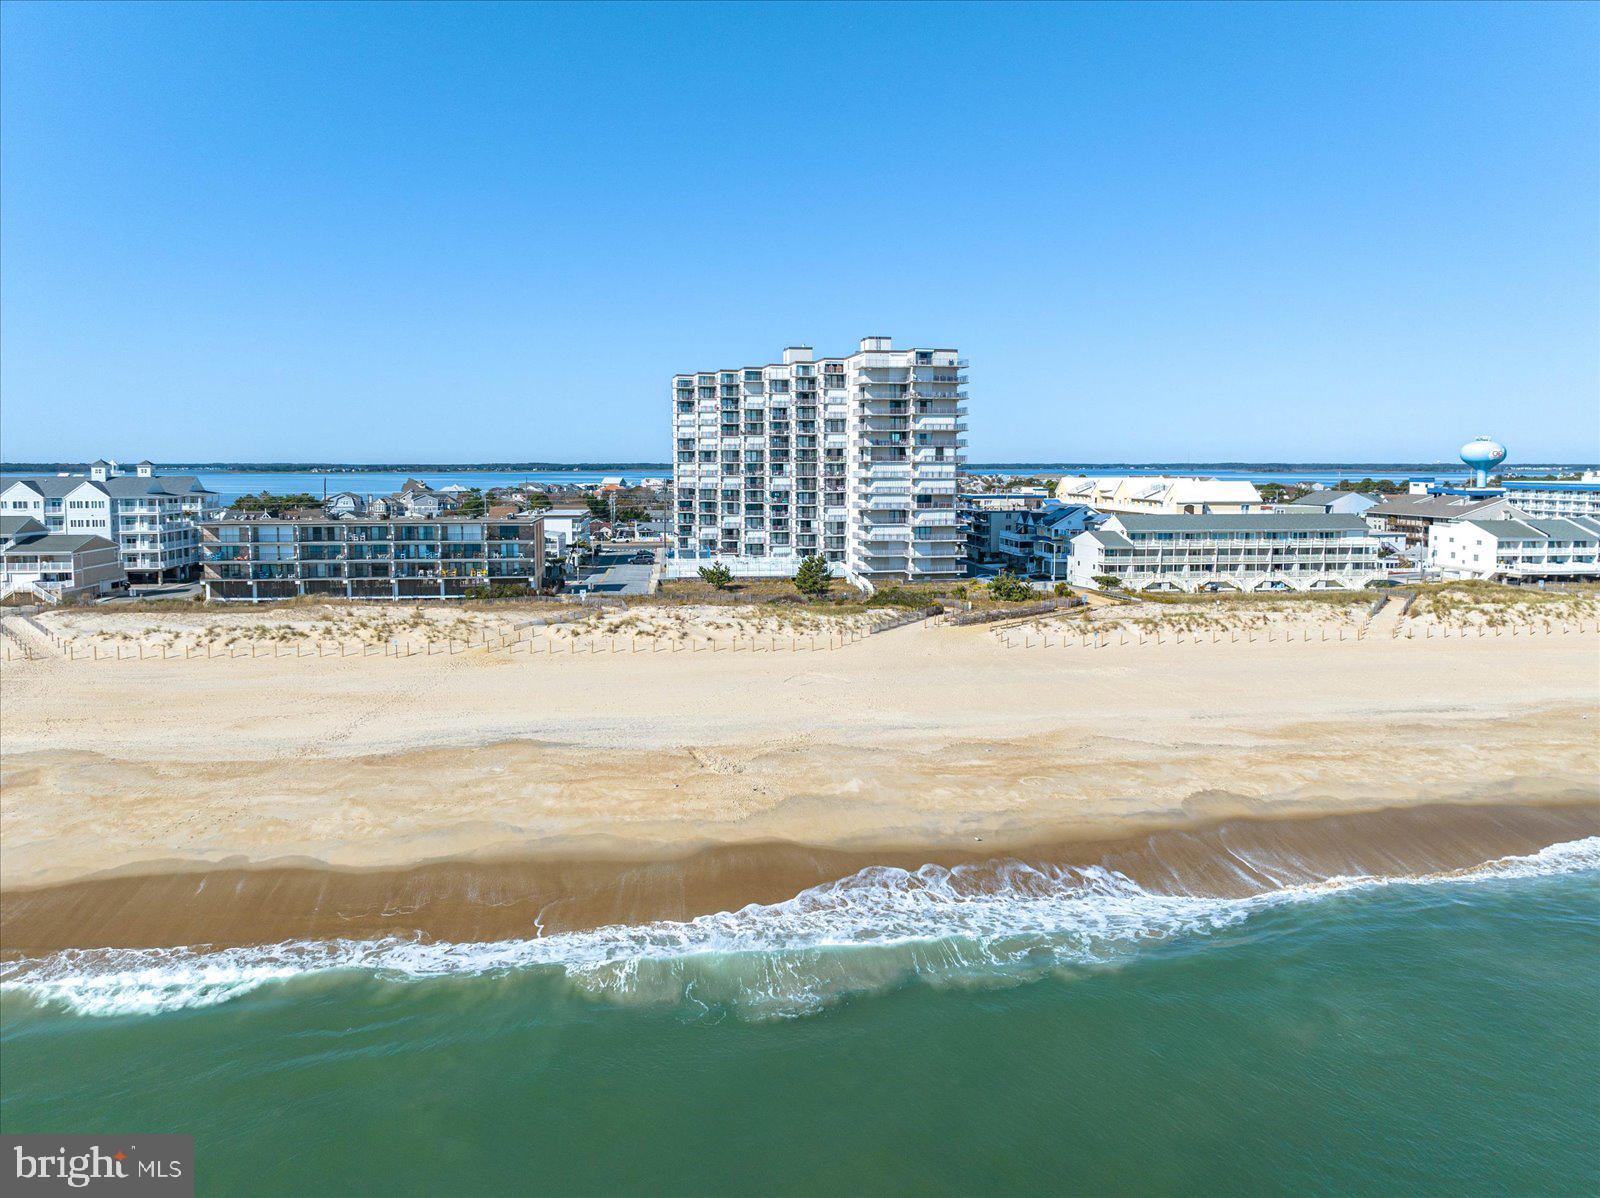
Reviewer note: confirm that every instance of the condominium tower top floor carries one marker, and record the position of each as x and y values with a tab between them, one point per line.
853	457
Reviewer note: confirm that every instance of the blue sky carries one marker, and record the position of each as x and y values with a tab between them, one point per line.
473	232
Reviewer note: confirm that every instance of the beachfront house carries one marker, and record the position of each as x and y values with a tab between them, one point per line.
1255	551
988	519
1050	531
50	567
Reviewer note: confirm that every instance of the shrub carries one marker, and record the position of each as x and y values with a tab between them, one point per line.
812	578
1108	582
1062	590
498	590
1008	588
716	575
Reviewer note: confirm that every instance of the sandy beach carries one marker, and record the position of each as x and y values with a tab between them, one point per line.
926	742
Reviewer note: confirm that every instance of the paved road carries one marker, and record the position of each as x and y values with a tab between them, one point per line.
169	590
616	573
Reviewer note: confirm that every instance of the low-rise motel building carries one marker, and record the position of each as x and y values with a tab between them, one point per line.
1544	497
36	563
1516	547
250	558
1251	551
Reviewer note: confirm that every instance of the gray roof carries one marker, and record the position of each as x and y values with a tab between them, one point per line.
61	542
1576	529
129	486
1242	522
15	524
1323	496
1433	507
1111	540
123	486
52	486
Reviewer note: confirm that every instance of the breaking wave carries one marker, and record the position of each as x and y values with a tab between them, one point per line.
992	924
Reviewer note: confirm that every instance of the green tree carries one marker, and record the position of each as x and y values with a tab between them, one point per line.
472	503
1108	582
717	575
598	507
1008	588
272	504
812	578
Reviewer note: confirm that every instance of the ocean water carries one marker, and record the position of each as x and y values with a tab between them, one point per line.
893	1032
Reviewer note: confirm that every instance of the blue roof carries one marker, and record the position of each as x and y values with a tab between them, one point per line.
1550	485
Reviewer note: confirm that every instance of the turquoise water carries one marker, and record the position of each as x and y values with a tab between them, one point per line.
1435	1038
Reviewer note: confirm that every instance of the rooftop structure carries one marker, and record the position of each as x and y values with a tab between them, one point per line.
1157	494
1482	454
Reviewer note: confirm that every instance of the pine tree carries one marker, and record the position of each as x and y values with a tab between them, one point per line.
812	578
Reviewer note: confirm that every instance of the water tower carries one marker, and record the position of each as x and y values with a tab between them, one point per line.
1483	454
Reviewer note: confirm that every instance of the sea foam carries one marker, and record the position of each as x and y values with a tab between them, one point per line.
991	924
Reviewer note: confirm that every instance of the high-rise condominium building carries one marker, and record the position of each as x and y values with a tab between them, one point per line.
852	457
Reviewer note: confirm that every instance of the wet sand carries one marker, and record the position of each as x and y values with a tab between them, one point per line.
476	901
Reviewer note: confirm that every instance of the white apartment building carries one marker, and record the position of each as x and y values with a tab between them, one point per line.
1159	495
1537	497
153	519
853	457
1517	548
1283	551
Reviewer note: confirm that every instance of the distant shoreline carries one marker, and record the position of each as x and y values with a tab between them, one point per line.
622	467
